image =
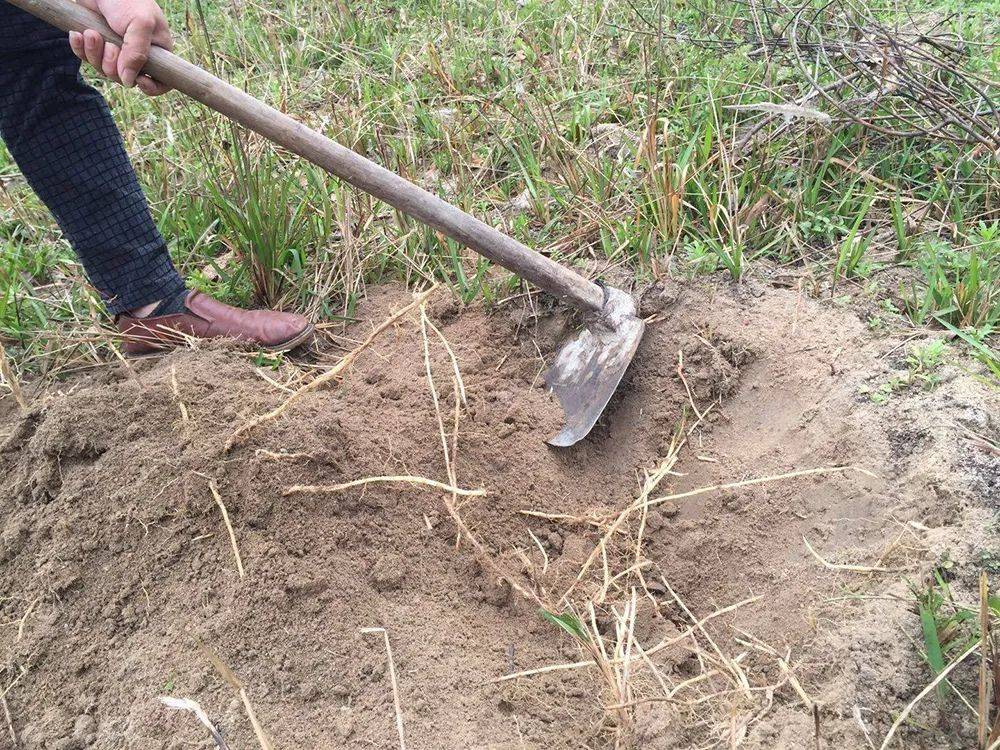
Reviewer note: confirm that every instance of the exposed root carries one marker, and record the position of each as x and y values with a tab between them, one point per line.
281	455
299	489
15	743
851	568
181	406
760	480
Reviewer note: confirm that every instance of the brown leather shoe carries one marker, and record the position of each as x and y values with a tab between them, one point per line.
207	318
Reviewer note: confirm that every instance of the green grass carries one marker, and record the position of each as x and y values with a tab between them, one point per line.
572	126
923	370
947	627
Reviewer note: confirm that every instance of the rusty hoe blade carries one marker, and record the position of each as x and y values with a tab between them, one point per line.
589	368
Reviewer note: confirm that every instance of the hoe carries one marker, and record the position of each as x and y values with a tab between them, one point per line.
587	370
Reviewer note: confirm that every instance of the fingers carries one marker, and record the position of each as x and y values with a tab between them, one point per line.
161	36
150	87
138	36
93	49
124	64
109	62
76	44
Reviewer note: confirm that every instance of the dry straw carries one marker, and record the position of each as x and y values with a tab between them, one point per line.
229	527
433	483
234	682
397	703
11	379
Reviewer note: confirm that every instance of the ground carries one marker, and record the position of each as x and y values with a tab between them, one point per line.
120	576
773	539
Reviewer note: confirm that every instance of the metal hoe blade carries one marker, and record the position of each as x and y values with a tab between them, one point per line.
589	368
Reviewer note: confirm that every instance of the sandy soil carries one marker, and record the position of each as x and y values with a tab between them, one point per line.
117	575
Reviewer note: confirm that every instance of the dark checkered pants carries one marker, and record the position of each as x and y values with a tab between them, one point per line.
61	134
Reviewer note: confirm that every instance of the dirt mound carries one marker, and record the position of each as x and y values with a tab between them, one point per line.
115	561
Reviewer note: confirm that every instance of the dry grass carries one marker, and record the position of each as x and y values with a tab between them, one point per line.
11	381
236	684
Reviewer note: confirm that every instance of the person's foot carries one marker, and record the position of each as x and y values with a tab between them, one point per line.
205	318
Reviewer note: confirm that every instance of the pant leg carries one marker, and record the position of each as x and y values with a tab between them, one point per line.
65	142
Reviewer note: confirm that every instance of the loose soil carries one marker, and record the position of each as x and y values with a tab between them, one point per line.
118	578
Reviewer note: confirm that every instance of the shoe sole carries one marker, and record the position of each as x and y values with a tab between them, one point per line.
286	346
292	343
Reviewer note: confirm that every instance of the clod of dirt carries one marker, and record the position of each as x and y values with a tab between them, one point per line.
658	725
388	573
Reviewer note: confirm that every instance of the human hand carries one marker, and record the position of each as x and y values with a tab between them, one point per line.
140	23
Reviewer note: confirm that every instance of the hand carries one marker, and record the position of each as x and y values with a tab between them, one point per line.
140	23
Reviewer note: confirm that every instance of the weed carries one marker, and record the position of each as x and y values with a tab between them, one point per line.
274	220
948	628
923	360
854	248
882	392
962	286
568	622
